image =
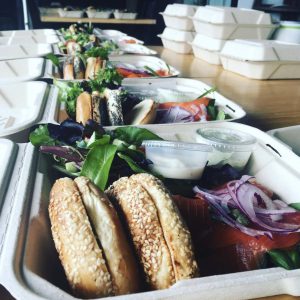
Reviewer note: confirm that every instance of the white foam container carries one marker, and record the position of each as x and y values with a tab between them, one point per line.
262	59
177	16
35	32
70	13
228	23
93	13
177	40
150	87
44	11
136	49
207	48
289	136
288	31
23	105
19	70
125	15
29	39
113	33
29	265
25	50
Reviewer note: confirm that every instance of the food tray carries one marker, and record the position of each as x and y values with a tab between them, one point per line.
29	266
23	104
149	86
125	15
70	13
289	136
25	50
228	23
93	13
262	59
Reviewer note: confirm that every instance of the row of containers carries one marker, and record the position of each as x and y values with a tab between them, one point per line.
236	38
29	264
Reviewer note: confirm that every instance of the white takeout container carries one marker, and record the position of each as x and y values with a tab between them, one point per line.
25	50
136	49
124	15
29	264
288	31
267	59
48	11
177	40
158	88
290	136
113	33
228	23
207	48
177	160
177	16
23	105
103	14
29	39
70	13
24	69
231	147
35	32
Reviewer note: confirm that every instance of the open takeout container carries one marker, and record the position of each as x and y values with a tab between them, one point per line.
149	88
24	50
131	62
29	39
29	264
23	105
289	136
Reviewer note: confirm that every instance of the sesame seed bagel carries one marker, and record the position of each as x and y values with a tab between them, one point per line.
162	240
120	258
94	266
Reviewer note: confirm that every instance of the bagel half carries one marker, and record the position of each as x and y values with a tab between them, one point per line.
96	264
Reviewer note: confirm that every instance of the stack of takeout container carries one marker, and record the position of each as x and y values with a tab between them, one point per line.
180	29
215	25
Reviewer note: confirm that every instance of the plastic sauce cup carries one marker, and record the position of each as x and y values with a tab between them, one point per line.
232	147
177	160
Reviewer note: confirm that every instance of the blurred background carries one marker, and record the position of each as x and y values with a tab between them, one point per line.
37	14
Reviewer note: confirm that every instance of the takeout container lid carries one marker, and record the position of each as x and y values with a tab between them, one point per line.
231	15
261	50
23	105
24	50
27	240
29	39
225	139
288	136
16	33
179	10
24	69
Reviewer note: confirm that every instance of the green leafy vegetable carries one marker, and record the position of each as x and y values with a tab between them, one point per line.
102	141
131	163
213	89
134	135
98	163
151	71
40	137
101	52
54	59
280	258
221	115
295	205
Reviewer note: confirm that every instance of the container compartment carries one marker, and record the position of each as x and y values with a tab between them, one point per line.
154	87
29	264
289	136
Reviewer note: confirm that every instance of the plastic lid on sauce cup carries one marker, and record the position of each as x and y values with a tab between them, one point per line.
225	139
173	145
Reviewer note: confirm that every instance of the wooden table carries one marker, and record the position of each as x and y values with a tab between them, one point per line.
58	19
269	104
